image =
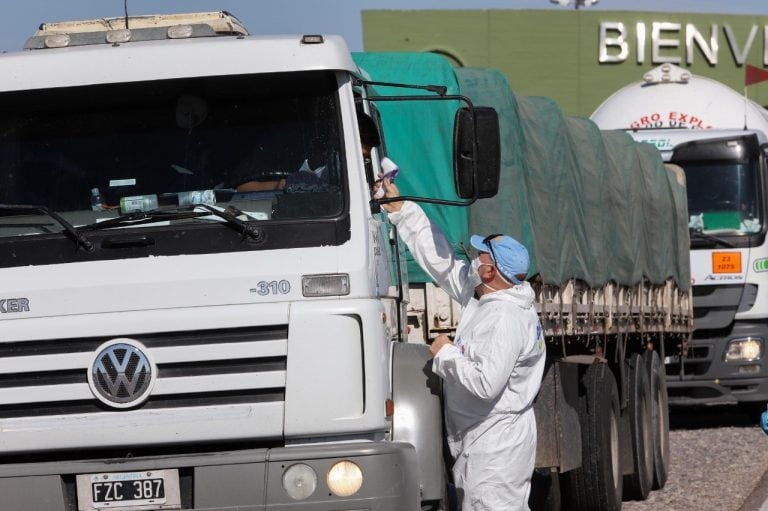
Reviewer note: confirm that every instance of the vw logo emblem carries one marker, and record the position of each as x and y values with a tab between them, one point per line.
121	373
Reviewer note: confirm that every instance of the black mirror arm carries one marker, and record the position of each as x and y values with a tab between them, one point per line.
413	198
440	90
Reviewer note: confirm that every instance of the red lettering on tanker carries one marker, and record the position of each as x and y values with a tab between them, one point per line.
671	119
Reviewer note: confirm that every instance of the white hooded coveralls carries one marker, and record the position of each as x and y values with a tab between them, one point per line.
491	374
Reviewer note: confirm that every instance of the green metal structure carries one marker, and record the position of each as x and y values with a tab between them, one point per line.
557	53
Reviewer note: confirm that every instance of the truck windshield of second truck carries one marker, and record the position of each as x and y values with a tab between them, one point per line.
724	198
269	146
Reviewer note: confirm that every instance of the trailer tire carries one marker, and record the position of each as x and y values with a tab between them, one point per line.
597	484
660	417
545	491
637	485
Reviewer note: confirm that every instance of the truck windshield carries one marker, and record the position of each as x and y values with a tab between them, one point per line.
270	146
724	197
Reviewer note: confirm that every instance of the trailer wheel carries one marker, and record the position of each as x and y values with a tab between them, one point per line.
637	485
545	490
597	484
660	418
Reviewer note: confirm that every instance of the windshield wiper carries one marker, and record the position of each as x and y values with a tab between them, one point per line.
159	216
231	220
70	229
142	218
698	233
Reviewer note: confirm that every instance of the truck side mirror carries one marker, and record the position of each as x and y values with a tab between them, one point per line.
485	131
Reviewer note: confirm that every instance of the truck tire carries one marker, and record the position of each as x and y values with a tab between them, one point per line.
597	484
660	418
637	485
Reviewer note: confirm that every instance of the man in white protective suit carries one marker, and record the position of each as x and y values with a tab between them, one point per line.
493	370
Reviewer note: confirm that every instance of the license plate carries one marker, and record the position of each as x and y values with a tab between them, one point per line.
674	359
129	491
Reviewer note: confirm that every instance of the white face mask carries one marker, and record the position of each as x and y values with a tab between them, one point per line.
473	274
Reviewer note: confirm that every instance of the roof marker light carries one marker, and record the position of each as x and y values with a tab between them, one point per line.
118	36
57	41
180	32
312	39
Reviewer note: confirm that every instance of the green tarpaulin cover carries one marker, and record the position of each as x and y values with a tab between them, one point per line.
591	205
419	137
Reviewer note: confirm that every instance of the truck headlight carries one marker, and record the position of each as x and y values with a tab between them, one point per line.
744	350
299	481
345	479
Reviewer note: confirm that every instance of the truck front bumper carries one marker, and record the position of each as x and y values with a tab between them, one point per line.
704	377
242	480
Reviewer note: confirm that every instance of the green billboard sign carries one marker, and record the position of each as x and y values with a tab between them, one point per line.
578	57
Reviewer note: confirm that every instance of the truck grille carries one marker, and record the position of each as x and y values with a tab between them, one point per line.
200	368
714	307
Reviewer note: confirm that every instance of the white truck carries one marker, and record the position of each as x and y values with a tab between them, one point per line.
200	306
718	137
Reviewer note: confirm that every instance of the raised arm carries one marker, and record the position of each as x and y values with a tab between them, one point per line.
431	249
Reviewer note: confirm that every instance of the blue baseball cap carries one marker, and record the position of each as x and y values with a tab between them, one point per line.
511	256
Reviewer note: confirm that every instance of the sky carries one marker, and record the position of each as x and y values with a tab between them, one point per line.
20	19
